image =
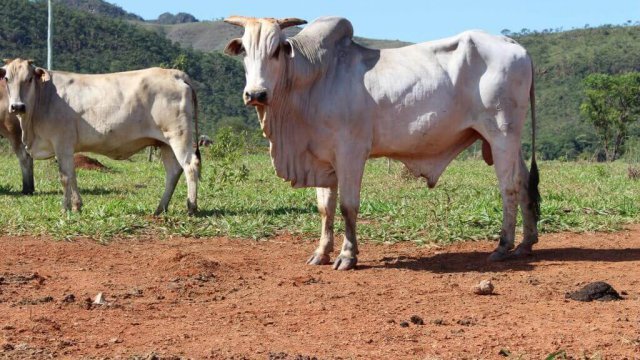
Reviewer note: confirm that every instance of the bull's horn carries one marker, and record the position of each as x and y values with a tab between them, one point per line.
237	20
288	22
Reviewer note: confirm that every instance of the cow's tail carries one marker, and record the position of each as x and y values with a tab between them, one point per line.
195	118
534	174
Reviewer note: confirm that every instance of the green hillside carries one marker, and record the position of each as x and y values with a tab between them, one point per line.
94	36
562	61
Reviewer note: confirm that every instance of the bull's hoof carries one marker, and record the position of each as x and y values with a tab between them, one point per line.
498	256
523	250
344	263
319	259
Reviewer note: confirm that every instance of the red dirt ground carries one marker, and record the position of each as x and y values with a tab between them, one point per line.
241	299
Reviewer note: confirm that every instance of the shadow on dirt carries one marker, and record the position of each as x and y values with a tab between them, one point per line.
477	261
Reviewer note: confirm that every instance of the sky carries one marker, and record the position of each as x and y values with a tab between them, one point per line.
411	20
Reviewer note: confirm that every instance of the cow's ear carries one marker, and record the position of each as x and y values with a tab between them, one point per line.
288	49
7	61
43	74
234	47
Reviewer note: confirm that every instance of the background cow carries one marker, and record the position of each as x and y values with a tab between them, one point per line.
10	130
115	115
327	104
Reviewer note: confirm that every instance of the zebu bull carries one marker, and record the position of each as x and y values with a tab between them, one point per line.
327	104
115	115
10	129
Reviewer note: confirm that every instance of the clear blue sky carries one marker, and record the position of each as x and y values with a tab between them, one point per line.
411	20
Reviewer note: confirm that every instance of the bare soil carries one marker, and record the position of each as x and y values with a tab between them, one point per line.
242	299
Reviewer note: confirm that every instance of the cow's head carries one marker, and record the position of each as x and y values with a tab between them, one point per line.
21	78
265	49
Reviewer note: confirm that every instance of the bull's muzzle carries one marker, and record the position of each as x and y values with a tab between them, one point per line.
19	108
255	97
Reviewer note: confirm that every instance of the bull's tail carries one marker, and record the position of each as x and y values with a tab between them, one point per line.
195	118
534	174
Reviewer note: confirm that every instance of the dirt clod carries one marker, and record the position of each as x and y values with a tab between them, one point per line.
404	324
485	287
598	290
417	320
84	162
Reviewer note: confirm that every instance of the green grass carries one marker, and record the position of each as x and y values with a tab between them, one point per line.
464	206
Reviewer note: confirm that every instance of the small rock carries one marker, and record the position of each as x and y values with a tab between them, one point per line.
404	324
485	287
438	322
115	341
99	300
8	347
69	298
417	320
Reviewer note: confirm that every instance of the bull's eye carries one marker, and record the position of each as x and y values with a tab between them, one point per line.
30	80
277	52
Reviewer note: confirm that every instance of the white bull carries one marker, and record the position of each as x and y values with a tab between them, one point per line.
327	104
115	115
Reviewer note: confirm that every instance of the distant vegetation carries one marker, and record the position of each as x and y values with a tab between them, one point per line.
108	38
179	18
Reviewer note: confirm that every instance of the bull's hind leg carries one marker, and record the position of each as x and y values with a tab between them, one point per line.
529	220
190	162
173	170
506	159
327	208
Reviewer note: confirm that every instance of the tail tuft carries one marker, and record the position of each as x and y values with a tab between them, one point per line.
534	191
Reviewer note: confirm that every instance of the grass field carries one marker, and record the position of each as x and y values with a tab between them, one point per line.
464	206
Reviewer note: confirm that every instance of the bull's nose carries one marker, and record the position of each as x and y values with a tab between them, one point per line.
255	97
19	108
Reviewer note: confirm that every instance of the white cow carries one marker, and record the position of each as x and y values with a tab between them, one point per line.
10	129
115	115
327	104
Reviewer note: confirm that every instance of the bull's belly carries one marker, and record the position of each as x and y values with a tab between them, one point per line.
424	136
117	150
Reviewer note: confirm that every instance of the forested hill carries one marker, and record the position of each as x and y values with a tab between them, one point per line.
562	60
94	36
90	43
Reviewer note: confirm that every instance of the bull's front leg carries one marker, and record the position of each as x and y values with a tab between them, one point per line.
71	200
26	166
327	207
349	174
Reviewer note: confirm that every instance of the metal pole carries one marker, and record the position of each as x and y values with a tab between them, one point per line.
49	38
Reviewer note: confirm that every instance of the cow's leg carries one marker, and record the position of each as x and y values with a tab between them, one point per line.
26	166
327	208
506	159
190	162
173	170
72	200
529	222
349	170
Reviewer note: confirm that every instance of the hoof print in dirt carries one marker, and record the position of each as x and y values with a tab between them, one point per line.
485	287
598	290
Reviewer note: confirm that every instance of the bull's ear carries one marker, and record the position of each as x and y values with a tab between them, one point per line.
234	47
287	46
43	74
7	61
289	22
30	61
